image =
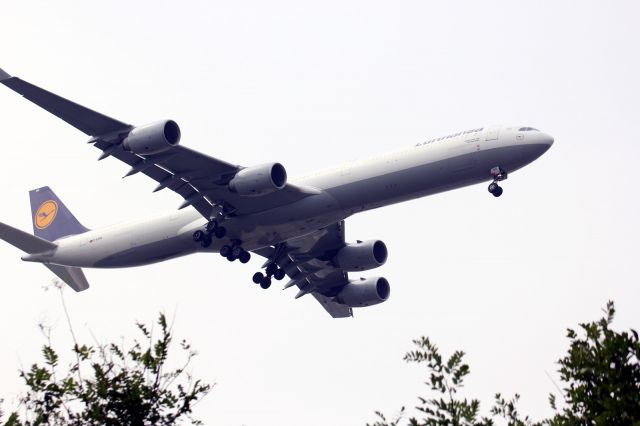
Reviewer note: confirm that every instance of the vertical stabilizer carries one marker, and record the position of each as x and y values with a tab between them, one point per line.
51	218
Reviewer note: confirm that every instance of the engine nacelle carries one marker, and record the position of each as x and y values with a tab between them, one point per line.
259	180
152	138
361	256
368	292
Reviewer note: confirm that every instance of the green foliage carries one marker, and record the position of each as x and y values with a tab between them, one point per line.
601	372
382	420
508	411
111	385
446	379
602	375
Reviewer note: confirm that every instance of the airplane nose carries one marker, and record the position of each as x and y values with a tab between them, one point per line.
547	139
535	144
542	140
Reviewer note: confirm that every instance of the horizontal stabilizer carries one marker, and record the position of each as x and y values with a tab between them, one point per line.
26	242
31	244
73	276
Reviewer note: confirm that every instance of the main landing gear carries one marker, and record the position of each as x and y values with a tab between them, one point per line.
230	252
271	271
212	230
498	176
235	252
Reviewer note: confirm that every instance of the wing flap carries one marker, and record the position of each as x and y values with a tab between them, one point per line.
202	180
335	309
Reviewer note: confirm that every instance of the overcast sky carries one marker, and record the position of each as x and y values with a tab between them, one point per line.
311	85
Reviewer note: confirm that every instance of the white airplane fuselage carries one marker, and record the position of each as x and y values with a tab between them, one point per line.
435	166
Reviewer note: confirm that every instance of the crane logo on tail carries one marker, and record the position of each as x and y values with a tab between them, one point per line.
46	214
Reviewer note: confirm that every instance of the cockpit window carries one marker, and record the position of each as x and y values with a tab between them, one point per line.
527	129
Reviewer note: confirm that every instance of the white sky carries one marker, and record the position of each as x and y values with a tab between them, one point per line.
311	85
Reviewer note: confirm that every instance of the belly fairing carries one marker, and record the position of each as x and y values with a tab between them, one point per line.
147	254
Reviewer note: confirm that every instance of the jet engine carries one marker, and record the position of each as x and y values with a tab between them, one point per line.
361	256
152	138
259	180
366	292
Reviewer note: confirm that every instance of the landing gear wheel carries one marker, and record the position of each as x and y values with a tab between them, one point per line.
220	232
495	189
279	274
258	277
211	226
265	283
225	251
237	251
231	258
244	257
198	236
205	242
272	268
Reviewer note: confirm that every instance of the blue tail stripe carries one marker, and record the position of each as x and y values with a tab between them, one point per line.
52	220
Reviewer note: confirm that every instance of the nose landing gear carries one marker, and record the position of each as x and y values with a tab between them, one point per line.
498	176
495	189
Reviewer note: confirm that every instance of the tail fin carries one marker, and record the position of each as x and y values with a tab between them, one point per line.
51	218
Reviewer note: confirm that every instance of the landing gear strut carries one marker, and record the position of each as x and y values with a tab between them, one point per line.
498	176
272	270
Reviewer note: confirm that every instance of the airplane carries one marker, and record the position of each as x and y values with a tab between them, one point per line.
297	226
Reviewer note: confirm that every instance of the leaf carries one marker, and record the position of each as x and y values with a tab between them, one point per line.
113	388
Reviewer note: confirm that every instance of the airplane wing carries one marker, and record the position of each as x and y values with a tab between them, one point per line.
201	180
304	261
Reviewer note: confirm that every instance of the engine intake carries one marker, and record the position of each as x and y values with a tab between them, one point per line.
153	138
361	256
366	292
259	180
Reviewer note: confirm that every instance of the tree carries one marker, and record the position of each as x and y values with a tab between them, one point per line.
601	372
446	378
111	385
